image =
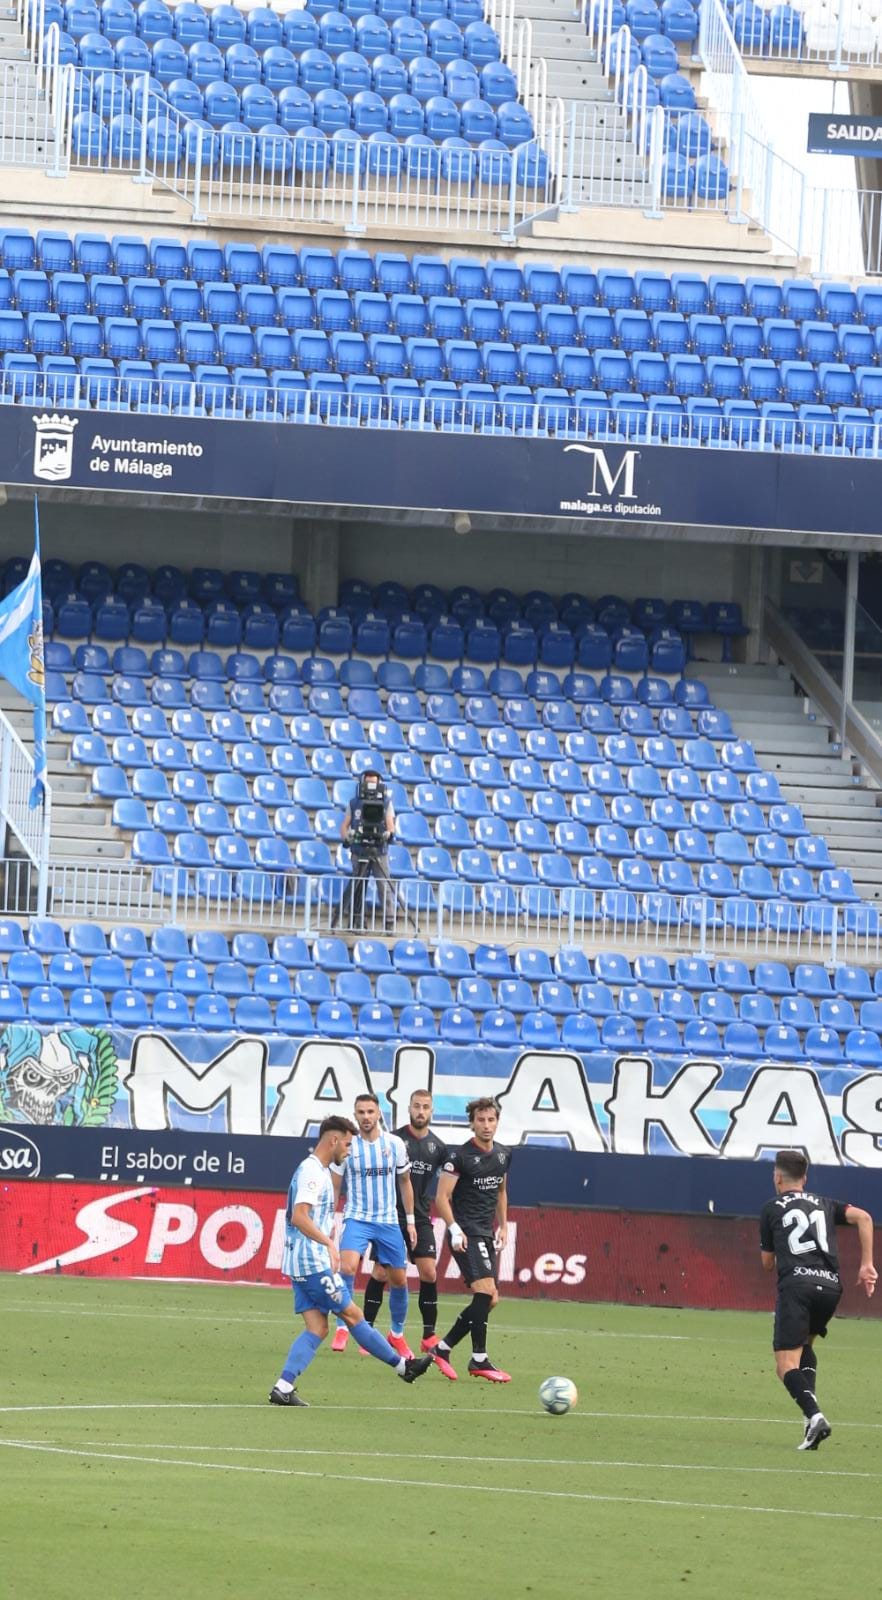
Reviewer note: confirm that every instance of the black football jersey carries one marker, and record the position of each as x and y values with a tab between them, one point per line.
426	1156
800	1229
482	1174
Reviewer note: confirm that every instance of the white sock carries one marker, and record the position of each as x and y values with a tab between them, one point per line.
400	1369
283	1386
479	1355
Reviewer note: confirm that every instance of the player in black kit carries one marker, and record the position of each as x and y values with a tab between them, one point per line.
426	1152
798	1237
472	1199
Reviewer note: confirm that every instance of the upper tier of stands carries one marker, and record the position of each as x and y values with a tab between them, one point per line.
206	329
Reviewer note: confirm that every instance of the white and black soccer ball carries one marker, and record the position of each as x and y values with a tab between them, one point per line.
558	1395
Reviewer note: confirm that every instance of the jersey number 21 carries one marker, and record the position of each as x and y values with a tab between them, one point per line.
806	1232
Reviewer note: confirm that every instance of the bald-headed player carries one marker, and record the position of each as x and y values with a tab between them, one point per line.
798	1237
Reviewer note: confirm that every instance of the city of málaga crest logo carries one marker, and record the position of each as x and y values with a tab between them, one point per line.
53	447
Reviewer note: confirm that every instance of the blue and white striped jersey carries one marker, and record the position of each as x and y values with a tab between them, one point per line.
311	1185
371	1175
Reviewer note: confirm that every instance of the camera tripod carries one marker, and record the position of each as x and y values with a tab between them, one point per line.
367	862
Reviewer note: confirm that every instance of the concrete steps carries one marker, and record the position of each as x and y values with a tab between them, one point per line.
837	799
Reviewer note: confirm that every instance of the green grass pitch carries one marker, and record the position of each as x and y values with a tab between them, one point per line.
139	1459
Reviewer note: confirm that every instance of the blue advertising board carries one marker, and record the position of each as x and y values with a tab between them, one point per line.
290	464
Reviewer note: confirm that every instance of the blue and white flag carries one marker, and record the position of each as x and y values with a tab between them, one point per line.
21	654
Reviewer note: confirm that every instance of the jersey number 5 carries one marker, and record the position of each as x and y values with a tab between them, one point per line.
806	1232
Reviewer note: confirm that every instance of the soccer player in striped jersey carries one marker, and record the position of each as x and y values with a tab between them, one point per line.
378	1169
311	1260
427	1153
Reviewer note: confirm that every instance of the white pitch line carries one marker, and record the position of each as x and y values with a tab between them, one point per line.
460	1459
23	1309
429	1483
461	1411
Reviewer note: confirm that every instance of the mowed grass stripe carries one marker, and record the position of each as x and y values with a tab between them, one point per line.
603	1463
456	1485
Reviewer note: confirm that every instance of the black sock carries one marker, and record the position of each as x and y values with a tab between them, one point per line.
808	1363
481	1304
460	1328
428	1299
373	1299
800	1389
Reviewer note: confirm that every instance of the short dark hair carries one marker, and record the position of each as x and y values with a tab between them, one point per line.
368	1095
421	1094
486	1102
336	1125
791	1163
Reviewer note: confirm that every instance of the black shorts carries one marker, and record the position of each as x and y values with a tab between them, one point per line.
478	1259
804	1307
425	1241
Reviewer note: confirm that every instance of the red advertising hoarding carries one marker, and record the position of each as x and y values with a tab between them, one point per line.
632	1258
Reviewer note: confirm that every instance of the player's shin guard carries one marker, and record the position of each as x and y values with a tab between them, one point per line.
373	1342
428	1308
801	1391
459	1330
299	1356
373	1299
398	1303
481	1307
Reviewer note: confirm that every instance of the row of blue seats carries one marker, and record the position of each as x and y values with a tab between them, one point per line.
200	353
519	732
491	810
262	28
360	601
275	153
465	694
611	913
637	874
402	65
835	425
47	1006
394	676
646	776
442	316
514	868
273	982
411	105
192	719
415	958
393	272
779	32
259	627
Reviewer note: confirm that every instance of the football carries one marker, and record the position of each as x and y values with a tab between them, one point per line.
558	1395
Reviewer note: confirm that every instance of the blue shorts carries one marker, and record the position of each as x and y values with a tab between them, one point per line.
385	1239
321	1291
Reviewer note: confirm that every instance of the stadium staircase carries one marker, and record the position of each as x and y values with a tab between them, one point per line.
23	112
578	80
837	798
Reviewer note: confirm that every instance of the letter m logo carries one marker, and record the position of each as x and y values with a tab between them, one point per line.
606	478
